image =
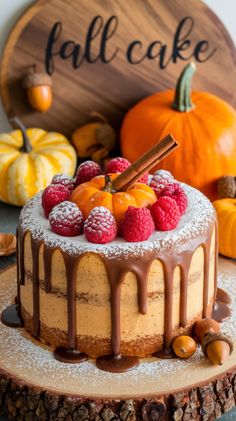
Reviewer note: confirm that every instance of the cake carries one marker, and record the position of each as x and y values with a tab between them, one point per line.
115	266
69	288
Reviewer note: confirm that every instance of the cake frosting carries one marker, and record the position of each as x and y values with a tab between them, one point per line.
118	298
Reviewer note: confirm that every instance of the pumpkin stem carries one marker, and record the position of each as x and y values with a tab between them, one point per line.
17	124
182	101
108	184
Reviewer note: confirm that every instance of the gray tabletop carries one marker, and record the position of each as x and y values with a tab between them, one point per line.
8	222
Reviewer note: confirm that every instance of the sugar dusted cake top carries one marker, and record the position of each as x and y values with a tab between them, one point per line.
200	213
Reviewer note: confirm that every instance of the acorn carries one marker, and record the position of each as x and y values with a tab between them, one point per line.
184	346
217	348
38	86
202	327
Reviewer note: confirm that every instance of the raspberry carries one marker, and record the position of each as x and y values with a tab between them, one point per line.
159	180
165	213
176	192
120	164
53	195
117	165
66	219
100	226
138	224
64	180
86	171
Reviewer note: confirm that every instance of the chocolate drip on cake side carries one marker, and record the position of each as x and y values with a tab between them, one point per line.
35	247
47	263
116	271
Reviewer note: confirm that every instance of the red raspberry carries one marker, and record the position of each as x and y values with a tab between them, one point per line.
176	192
66	219
52	195
64	180
165	213
100	226
120	164
138	224
117	165
86	171
159	180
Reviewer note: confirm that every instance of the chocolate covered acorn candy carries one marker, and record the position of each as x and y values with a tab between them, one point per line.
184	346
38	87
203	327
217	348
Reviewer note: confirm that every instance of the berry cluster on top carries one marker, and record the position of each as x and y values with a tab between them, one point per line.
100	227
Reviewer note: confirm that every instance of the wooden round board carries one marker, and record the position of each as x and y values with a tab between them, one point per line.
192	386
106	55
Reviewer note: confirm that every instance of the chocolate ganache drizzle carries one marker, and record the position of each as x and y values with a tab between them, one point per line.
116	270
117	267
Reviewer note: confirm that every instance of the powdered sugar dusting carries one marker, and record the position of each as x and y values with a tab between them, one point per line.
200	213
31	361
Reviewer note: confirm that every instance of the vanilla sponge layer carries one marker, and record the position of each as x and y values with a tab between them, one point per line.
140	334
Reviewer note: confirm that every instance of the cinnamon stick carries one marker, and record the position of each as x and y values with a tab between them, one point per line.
145	163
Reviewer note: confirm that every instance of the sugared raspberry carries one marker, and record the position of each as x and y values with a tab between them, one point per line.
159	180
138	224
100	226
86	171
117	165
120	164
66	219
165	213
53	195
64	180
176	192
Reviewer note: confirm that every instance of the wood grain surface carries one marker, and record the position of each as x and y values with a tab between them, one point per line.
134	49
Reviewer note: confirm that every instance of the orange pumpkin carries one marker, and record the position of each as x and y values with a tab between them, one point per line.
99	192
226	214
204	124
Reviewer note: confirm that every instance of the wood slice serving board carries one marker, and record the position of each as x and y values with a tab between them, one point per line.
33	382
106	55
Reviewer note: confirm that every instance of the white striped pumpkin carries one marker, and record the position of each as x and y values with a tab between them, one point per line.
28	161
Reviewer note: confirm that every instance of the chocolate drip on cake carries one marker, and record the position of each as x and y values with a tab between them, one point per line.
21	255
116	269
71	264
35	247
184	295
47	263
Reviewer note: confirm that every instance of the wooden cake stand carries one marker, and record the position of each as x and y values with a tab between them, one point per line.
33	382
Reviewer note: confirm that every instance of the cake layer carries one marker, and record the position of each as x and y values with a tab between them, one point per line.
140	333
121	297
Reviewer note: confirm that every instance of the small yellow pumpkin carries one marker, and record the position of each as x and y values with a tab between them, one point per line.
226	213
28	161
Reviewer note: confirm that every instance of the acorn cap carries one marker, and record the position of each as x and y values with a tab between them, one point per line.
226	186
106	136
212	337
36	79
